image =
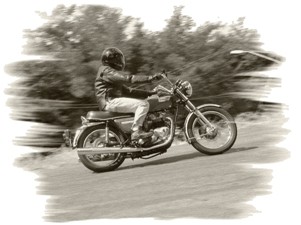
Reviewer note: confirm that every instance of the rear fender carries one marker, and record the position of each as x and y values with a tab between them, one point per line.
79	131
189	116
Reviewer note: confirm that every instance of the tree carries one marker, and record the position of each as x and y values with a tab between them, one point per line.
174	39
140	51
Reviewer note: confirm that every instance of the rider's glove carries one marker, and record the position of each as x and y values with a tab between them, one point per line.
158	92
157	76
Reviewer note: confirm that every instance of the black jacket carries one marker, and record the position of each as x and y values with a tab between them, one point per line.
109	83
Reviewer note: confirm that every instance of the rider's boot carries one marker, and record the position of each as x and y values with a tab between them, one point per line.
140	134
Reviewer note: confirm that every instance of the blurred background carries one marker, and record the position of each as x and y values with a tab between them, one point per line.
274	23
56	85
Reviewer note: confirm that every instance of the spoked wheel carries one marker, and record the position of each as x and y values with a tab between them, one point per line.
214	140
94	137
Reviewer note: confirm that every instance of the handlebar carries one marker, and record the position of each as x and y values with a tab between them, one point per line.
164	75
164	89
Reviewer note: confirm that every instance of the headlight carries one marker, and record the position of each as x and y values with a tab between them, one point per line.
187	88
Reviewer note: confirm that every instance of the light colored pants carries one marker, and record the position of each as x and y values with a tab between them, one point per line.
130	105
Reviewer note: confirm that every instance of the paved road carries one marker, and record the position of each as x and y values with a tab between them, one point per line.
179	184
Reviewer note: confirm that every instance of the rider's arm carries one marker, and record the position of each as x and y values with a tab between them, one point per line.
137	93
118	77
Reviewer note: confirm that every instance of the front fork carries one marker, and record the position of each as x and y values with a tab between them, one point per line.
210	129
192	109
201	118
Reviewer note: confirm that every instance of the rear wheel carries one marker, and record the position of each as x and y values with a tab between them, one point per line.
212	141
94	137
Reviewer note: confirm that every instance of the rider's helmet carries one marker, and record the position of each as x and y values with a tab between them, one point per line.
114	58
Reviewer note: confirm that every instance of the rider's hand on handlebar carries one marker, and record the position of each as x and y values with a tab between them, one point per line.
159	91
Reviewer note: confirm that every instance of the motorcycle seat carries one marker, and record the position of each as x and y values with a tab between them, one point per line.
105	115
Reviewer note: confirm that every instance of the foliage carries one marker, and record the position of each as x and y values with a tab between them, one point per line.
60	88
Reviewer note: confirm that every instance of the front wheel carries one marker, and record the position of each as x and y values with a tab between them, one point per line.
212	141
94	137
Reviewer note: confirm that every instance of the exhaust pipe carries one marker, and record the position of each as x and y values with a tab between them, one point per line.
108	150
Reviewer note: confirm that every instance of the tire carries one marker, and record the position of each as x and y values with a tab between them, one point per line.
93	161
203	142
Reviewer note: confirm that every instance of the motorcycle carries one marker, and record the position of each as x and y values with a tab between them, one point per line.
103	141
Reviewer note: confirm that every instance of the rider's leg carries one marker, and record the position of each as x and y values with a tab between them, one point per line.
131	105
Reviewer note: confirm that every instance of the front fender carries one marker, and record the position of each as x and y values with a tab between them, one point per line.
189	116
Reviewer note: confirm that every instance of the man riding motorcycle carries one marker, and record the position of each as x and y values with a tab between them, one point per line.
113	95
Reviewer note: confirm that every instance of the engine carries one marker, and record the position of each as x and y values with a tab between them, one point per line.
153	121
157	123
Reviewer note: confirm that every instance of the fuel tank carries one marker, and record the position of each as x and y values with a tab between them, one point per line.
158	103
